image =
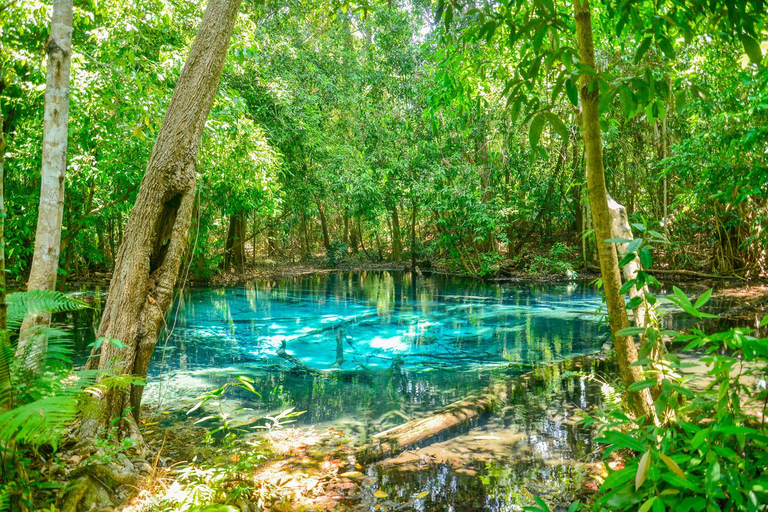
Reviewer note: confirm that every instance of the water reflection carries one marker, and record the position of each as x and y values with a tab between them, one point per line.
404	344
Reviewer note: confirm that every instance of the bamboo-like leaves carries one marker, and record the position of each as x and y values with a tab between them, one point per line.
642	469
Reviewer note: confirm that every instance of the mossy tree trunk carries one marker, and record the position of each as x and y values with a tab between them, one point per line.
626	350
155	237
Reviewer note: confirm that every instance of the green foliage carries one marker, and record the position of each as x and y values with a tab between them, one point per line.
711	452
226	426
558	263
21	304
337	253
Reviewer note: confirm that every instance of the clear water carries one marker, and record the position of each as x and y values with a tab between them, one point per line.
443	335
384	348
380	341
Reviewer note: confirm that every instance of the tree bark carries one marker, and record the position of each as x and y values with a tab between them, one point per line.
644	314
234	255
353	237
397	439
155	237
45	261
626	351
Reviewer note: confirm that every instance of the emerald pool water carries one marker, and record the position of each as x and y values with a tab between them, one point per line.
380	341
365	351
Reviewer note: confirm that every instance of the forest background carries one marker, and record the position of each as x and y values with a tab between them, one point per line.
341	134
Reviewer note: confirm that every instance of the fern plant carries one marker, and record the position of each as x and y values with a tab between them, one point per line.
37	403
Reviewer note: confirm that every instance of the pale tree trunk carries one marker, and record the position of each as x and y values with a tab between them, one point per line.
626	350
155	237
644	314
45	261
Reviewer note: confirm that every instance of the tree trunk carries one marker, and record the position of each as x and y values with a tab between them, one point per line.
644	314
397	244
324	226
413	236
234	248
238	244
156	234
397	439
345	235
626	351
353	237
5	346
45	262
307	250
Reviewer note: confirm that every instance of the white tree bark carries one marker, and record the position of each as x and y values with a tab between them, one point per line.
644	314
45	261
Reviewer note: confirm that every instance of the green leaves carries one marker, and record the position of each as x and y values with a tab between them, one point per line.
538	123
642	469
682	300
643	384
535	129
752	48
644	45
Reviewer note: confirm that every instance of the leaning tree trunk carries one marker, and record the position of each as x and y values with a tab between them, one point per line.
156	234
626	350
45	261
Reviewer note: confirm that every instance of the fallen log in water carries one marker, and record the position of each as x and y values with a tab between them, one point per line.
394	440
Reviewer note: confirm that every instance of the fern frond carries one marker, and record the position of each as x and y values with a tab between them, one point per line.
21	304
40	422
5	497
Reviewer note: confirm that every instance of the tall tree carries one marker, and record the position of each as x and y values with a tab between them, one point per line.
626	350
5	347
45	262
155	237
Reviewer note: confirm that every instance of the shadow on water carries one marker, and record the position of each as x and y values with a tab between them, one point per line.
386	349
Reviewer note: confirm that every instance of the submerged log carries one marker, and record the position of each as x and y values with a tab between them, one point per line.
397	439
298	364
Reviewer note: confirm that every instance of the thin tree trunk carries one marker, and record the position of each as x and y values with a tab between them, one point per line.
353	237
238	245
413	235
324	226
228	243
45	261
345	235
397	244
644	315
307	251
5	346
156	235
626	351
